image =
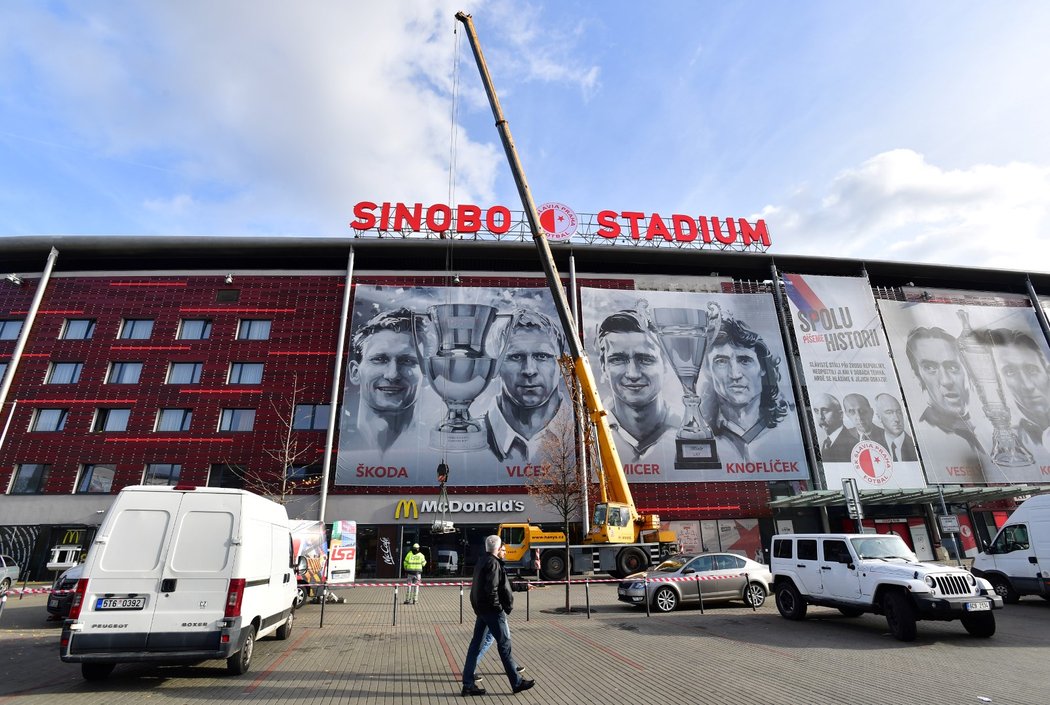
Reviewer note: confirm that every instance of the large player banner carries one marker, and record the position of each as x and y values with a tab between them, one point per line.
464	375
976	380
695	385
863	428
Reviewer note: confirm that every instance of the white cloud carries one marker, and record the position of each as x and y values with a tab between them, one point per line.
897	206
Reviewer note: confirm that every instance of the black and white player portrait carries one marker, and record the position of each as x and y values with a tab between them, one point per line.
978	373
657	349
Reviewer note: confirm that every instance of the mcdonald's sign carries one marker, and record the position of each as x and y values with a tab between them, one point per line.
72	536
409	507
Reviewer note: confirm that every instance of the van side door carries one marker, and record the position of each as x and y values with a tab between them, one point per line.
197	572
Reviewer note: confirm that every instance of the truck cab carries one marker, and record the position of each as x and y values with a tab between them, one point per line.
1018	560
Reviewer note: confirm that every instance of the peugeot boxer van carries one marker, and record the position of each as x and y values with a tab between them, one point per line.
182	574
1018	560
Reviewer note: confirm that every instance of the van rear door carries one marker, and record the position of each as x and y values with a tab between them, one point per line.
125	571
197	572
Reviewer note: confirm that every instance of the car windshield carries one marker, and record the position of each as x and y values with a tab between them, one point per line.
672	565
883	547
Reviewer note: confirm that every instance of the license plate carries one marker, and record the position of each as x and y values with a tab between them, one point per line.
52	602
120	603
978	606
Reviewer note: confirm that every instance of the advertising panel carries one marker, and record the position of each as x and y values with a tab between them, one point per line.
695	385
342	555
464	375
308	540
863	427
976	379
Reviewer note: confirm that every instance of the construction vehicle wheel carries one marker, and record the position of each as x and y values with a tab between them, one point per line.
631	560
553	564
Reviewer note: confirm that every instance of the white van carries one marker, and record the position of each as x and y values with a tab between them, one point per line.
1018	560
182	574
447	562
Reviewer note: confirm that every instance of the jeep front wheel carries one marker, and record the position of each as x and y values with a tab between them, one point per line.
979	624
790	602
900	616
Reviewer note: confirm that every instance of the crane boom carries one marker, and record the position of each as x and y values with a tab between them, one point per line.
616	488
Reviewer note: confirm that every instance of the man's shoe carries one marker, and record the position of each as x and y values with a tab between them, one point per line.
474	690
408	602
478	679
521	669
525	684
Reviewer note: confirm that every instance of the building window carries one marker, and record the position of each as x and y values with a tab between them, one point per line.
49	420
237	420
30	478
96	479
78	329
9	330
245	373
184	373
304	475
124	372
111	420
254	329
226	475
194	329
162	474
3	370
174	419
64	373
136	329
311	417
227	296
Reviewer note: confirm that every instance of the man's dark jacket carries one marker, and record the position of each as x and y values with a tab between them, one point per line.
491	591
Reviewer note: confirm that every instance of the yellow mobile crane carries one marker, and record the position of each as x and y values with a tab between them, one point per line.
621	541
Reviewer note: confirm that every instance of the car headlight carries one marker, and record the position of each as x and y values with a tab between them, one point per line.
637	586
973	580
930	582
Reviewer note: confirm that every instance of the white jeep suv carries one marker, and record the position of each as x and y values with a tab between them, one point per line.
858	573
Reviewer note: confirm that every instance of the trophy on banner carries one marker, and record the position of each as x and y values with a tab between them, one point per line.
685	334
451	350
975	349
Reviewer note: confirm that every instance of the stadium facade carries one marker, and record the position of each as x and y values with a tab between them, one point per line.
744	387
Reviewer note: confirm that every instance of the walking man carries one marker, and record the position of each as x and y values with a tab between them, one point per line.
413	565
493	601
489	640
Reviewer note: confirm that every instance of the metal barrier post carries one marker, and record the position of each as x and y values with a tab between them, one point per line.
700	594
3	601
587	592
324	599
461	603
395	605
645	596
528	603
748	588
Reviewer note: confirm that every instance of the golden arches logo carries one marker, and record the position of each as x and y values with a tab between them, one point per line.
409	507
72	537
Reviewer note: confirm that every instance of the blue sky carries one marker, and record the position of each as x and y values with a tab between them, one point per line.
889	130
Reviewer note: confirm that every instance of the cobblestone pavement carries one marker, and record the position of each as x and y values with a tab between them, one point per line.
725	654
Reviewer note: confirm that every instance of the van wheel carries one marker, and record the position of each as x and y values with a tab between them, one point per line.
553	564
239	663
790	602
979	624
300	596
285	630
96	671
1005	590
900	616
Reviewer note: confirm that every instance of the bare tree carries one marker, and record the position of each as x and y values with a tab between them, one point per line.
560	483
282	481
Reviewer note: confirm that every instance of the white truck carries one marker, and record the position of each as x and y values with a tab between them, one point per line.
182	574
1018	560
858	573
